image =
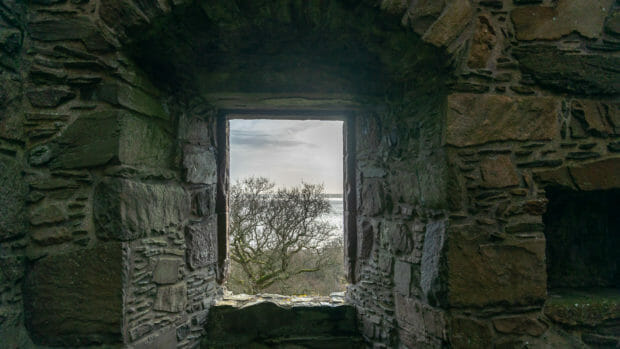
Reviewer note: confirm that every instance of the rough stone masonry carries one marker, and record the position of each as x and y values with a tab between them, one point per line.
469	123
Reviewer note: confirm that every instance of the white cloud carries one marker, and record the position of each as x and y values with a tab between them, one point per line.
288	151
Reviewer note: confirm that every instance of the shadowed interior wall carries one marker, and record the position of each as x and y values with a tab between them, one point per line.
466	112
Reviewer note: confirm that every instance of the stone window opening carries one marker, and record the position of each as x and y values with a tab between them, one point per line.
349	183
582	229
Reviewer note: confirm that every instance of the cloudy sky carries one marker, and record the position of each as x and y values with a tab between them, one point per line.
288	151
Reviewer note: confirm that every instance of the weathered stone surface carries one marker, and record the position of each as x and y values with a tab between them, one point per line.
201	240
203	201
591	308
599	175
566	71
612	24
40	155
51	236
422	14
419	321
593	115
121	15
450	24
70	28
431	266
265	323
13	192
402	277
50	97
76	298
199	164
567	16
372	197
167	270
470	333
48	214
519	325
171	299
126	210
498	172
365	241
482	275
482	43
556	177
158	340
133	99
113	136
478	119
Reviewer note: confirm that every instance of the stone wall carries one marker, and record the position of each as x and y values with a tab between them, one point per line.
466	111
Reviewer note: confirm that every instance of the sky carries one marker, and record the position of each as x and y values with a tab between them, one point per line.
288	151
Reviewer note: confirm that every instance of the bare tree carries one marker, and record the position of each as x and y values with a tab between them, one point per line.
270	228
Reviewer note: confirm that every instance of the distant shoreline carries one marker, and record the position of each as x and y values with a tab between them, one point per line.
336	196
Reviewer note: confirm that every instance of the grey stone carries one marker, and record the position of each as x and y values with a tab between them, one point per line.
13	192
567	16
372	199
159	340
167	270
203	201
76	298
133	99
47	215
568	72
40	155
431	266
478	119
402	277
199	164
112	136
49	97
201	240
171	299
69	28
454	18
127	210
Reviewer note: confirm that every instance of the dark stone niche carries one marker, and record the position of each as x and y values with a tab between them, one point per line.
583	238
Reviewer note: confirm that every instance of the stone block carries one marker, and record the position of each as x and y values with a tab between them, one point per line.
566	71
203	201
555	177
48	214
201	241
199	164
112	136
454	18
69	28
483	43
420	320
422	14
498	172
402	277
126	210
598	175
478	119
163	339
372	197
167	270
49	97
171	299
133	99
520	325
470	333
366	240
431	270
13	192
567	16
75	298
486	274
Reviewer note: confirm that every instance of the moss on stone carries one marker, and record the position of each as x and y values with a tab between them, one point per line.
583	307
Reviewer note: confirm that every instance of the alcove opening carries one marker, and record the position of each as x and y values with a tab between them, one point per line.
306	152
582	230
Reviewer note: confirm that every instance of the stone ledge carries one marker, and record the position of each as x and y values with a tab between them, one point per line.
246	300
